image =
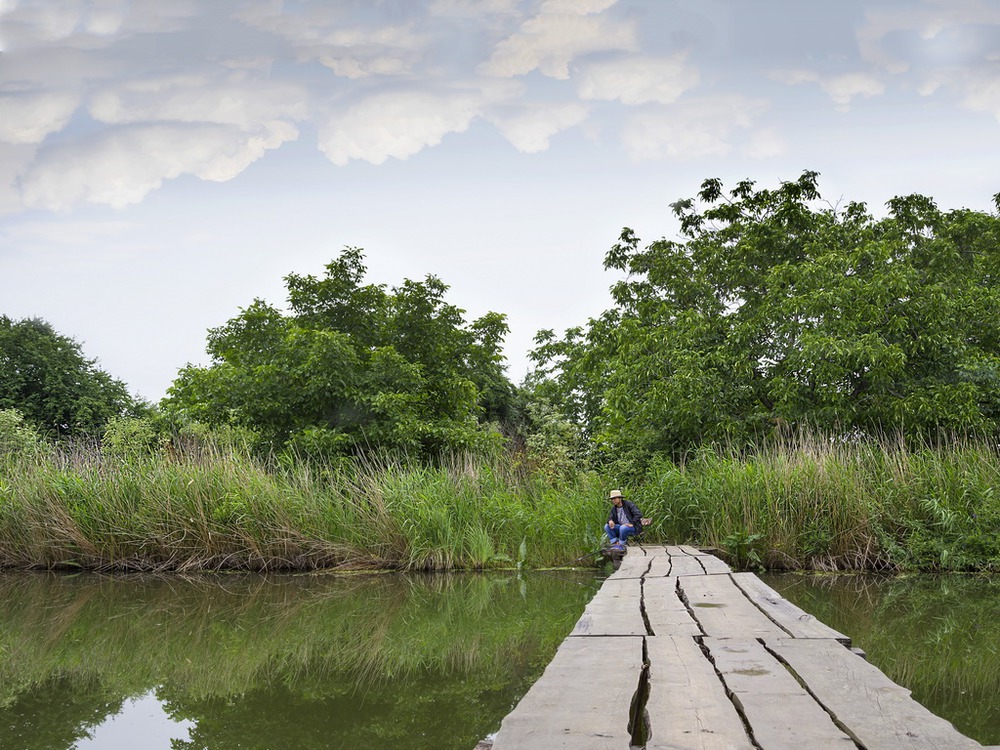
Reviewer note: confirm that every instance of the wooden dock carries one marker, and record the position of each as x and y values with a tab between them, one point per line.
677	652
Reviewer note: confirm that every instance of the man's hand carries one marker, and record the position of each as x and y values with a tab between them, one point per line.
611	524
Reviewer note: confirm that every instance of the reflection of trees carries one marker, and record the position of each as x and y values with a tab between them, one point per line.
293	661
938	636
55	715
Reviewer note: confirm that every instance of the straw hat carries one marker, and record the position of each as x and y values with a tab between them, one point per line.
614	494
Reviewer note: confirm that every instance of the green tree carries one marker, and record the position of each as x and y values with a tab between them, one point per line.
775	309
46	377
352	366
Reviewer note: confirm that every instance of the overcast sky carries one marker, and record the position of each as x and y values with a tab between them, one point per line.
165	162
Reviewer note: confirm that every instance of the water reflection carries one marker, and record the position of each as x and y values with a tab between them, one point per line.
938	636
274	662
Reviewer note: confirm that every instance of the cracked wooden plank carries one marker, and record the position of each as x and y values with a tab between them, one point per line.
667	614
723	611
875	710
634	565
614	610
581	701
781	713
798	623
688	708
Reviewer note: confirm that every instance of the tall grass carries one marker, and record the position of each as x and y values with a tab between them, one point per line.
215	508
815	502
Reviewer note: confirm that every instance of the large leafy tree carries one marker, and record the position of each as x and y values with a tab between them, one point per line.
352	366
46	377
775	309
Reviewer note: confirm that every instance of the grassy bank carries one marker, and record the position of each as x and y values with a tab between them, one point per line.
215	509
819	503
812	503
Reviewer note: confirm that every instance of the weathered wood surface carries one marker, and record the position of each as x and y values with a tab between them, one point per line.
634	565
688	708
723	611
731	666
614	610
798	623
876	711
781	714
581	701
667	614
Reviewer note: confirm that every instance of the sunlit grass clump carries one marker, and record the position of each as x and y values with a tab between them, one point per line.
212	507
815	502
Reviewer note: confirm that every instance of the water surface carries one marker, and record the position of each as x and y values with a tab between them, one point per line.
937	635
311	661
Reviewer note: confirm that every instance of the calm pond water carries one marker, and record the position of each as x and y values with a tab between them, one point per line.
937	635
310	661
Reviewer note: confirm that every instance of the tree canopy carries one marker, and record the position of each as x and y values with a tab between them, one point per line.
48	380
775	309
352	365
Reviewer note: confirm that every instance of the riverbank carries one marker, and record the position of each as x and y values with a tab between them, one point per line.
812	505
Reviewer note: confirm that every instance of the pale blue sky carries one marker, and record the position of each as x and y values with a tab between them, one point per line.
163	163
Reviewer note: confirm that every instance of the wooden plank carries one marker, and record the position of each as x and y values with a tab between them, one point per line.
723	611
685	565
674	549
655	550
687	549
781	714
797	622
687	706
713	565
877	712
667	614
581	701
659	566
614	610
634	565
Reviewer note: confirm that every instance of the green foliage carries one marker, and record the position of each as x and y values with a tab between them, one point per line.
828	504
353	367
18	439
46	377
201	501
777	312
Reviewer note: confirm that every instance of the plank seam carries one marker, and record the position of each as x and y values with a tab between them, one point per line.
837	722
758	607
700	640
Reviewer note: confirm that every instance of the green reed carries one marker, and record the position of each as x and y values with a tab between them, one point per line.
222	509
813	502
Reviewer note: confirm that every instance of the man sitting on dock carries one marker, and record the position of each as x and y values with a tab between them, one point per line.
624	521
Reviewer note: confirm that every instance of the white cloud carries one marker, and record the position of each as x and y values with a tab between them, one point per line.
579	7
842	88
472	8
28	117
13	160
397	125
691	129
765	144
982	90
637	79
119	167
530	131
549	42
195	98
927	20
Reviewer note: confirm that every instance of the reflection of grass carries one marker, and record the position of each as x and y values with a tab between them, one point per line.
938	636
218	508
221	636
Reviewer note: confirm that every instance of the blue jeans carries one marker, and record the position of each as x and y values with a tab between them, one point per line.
619	533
